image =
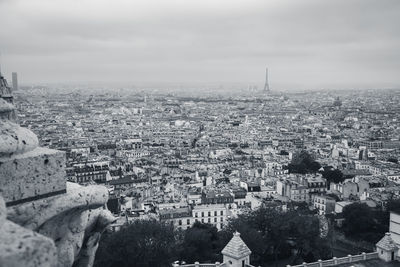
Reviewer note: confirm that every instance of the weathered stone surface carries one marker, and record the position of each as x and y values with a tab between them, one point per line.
15	140
87	255
32	174
23	247
76	234
33	214
7	111
3	211
73	220
30	179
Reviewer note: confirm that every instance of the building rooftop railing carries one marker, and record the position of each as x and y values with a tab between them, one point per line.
336	261
197	264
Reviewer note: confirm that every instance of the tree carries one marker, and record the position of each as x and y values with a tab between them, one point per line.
314	166
283	152
140	244
201	243
253	230
272	234
303	162
305	231
394	160
358	219
333	176
227	171
363	223
393	205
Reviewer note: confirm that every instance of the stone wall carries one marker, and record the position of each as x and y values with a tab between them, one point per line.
44	221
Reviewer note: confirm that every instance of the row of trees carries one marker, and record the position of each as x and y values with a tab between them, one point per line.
148	243
271	235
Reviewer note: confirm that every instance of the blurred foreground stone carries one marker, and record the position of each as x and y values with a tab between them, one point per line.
44	221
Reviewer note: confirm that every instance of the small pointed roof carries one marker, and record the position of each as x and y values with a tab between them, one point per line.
236	248
387	243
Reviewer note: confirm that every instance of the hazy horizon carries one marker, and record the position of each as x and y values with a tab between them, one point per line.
307	44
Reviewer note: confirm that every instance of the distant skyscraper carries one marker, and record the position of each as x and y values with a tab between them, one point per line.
15	81
266	85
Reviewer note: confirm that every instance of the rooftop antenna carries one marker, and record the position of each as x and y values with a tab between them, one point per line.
266	85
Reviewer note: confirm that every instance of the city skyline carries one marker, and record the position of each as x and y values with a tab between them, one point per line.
189	133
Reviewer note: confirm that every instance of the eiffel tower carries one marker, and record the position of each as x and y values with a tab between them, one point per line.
266	85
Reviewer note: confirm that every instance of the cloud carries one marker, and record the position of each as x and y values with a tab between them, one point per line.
311	43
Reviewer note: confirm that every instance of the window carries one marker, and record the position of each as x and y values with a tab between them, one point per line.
202	214
202	220
196	215
222	212
209	220
209	213
215	219
188	221
215	213
180	222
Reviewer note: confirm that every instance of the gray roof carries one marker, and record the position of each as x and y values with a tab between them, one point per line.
236	248
387	243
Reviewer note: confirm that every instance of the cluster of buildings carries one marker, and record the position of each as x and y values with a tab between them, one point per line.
185	159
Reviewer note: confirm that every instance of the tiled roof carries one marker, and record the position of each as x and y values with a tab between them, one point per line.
236	248
387	243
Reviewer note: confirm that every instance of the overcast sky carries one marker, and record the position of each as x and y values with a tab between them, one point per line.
304	43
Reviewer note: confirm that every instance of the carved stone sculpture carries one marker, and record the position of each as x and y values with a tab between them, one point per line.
44	221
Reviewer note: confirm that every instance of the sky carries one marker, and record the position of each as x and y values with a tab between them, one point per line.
308	44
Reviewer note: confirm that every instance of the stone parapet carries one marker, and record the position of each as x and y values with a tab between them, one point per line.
32	175
35	213
23	247
47	222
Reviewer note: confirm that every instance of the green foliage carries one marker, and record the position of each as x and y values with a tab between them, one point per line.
283	152
393	205
303	163
334	176
363	223
201	243
271	234
140	244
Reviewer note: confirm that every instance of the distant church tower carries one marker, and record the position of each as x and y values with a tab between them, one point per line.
266	85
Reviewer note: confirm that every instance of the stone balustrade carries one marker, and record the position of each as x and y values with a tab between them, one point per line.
336	261
197	264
